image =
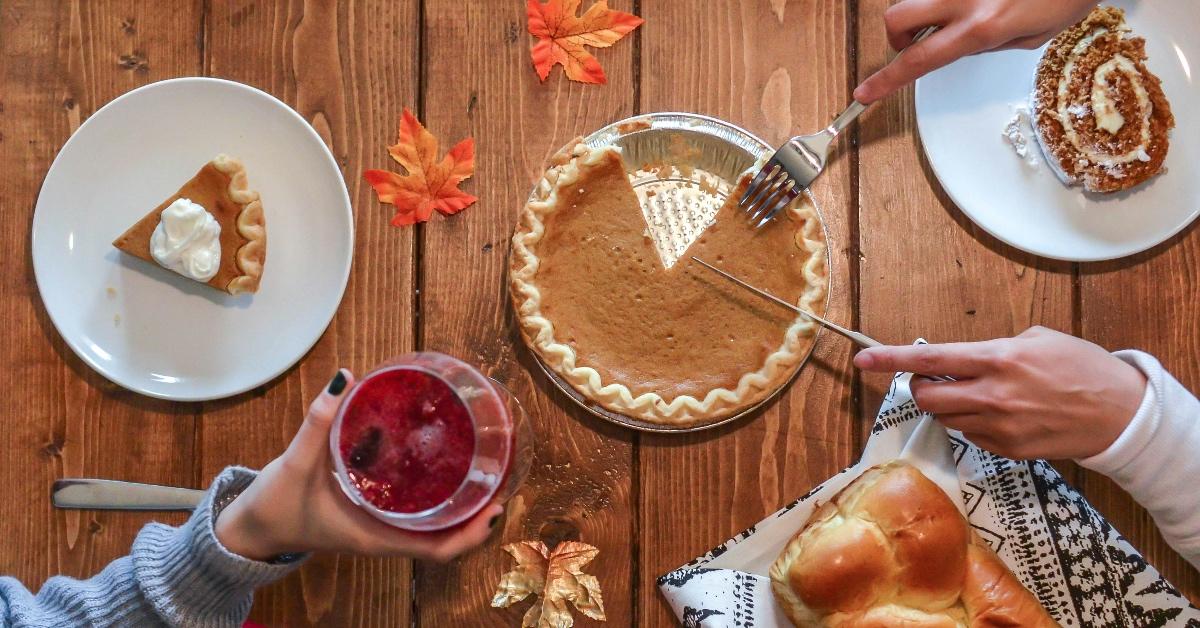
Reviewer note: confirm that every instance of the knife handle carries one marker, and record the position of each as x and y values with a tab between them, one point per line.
94	494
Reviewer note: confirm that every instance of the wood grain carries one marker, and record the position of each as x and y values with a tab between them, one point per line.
1147	302
906	263
925	269
348	70
959	283
955	282
777	70
59	62
479	81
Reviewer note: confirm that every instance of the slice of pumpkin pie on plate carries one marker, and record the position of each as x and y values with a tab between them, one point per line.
212	230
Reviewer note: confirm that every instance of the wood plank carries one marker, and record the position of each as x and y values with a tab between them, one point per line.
348	70
1147	302
480	82
59	62
954	272
777	70
958	283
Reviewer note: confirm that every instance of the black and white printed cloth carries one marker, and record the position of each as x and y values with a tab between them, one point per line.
1083	571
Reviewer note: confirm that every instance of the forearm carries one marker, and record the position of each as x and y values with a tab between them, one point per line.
1155	458
172	576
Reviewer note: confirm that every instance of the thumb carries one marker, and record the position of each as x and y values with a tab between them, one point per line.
312	440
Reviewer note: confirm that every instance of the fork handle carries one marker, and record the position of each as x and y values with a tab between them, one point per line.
845	118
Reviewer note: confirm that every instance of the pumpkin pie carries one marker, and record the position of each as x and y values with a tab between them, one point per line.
211	230
676	345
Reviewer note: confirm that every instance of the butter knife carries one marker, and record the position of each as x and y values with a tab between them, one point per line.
94	494
857	336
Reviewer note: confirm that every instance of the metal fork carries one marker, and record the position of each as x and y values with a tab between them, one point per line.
798	162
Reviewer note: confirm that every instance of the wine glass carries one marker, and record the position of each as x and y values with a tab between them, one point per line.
424	441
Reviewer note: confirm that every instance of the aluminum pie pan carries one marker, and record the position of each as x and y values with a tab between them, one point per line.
721	149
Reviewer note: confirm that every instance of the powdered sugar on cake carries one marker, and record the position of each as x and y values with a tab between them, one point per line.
1078	110
1017	133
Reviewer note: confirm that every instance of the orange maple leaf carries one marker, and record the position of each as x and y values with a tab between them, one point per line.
428	184
562	35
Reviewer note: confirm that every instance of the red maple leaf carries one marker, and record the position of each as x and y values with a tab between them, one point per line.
428	184
561	36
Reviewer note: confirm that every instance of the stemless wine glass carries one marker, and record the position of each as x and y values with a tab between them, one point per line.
499	461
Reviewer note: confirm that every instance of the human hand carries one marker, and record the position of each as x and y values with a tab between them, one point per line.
296	505
1042	394
965	28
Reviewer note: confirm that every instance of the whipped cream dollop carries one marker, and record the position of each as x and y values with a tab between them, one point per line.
187	240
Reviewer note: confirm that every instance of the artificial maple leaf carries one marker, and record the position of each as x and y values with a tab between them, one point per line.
566	582
527	578
561	36
557	577
427	184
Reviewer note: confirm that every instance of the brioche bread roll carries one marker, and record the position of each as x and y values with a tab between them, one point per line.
891	550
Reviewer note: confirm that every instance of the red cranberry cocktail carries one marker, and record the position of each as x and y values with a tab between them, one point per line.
426	441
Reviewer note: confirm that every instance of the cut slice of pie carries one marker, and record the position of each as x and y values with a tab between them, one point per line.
221	190
671	345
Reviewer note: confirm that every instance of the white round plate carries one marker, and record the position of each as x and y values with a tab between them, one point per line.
156	332
963	108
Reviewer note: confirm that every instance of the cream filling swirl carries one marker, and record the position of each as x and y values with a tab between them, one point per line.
1104	110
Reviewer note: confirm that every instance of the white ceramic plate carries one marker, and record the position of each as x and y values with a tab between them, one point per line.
962	109
147	328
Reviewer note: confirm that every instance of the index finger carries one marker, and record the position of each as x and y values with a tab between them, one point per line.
958	359
919	59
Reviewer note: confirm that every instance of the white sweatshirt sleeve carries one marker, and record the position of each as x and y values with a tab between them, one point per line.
1157	457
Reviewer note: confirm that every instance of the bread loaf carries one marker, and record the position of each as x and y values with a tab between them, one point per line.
892	550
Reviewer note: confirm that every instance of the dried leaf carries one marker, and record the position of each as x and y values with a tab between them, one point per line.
566	582
561	36
427	184
560	574
527	578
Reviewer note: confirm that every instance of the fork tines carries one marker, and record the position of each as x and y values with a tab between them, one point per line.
771	190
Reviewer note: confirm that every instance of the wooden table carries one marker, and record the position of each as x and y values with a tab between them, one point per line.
905	263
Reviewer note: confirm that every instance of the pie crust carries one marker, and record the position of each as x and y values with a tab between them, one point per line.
570	167
222	189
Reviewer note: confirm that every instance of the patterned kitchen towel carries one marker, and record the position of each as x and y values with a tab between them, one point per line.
1083	571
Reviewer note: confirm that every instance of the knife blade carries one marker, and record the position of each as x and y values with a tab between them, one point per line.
858	337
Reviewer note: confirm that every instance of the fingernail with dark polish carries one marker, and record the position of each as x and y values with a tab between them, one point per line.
493	522
337	384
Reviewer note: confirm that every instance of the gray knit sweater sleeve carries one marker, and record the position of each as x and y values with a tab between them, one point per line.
173	576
